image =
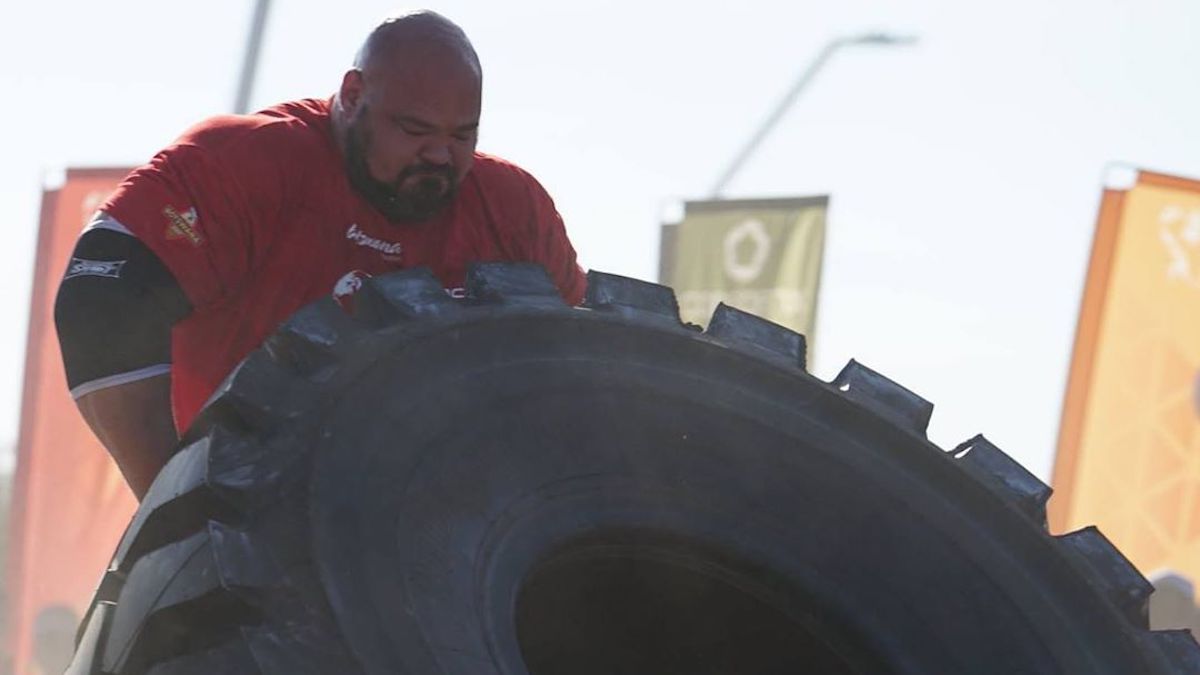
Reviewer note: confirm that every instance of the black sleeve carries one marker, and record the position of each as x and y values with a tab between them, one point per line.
114	312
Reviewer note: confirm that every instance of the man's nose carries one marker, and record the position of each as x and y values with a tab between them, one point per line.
436	152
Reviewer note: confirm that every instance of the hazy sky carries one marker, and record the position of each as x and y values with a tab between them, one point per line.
964	171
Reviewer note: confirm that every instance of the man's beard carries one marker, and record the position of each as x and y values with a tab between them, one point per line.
422	200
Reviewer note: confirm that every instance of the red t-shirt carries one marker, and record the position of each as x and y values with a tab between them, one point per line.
255	217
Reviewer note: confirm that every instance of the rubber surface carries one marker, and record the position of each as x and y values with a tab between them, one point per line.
503	484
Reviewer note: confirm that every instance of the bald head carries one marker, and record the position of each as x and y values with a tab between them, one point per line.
407	113
416	36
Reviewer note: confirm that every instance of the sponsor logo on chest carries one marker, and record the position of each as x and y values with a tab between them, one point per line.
352	282
390	250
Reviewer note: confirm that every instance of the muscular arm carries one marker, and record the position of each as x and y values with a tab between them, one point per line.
135	424
114	313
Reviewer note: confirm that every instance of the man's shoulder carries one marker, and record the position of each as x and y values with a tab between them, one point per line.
497	173
512	195
287	130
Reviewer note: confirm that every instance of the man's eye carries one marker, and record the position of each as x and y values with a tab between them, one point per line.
409	129
465	136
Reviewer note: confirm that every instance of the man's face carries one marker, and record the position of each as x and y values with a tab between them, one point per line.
410	137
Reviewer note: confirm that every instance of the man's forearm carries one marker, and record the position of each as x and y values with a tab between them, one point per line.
134	423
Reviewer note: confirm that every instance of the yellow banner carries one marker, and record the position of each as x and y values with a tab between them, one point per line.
1129	447
761	256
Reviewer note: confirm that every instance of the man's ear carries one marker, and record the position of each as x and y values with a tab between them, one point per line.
351	91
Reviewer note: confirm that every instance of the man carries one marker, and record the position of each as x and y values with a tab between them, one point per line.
201	253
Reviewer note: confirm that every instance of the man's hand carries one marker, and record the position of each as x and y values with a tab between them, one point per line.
134	423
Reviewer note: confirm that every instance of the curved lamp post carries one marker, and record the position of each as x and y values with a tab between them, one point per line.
823	56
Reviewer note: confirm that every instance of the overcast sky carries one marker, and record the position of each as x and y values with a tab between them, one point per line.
964	172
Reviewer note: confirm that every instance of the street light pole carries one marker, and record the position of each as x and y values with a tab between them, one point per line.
258	24
798	86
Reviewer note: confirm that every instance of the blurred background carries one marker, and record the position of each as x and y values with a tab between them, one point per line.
964	170
964	164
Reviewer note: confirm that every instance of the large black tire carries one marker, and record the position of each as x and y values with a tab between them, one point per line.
505	484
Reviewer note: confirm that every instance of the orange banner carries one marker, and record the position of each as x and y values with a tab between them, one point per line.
1129	445
69	501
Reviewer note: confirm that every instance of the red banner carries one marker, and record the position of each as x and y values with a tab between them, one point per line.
69	501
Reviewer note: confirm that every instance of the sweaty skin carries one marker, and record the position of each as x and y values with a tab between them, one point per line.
406	118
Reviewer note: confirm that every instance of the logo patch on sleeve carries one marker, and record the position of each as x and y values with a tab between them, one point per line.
80	267
183	225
